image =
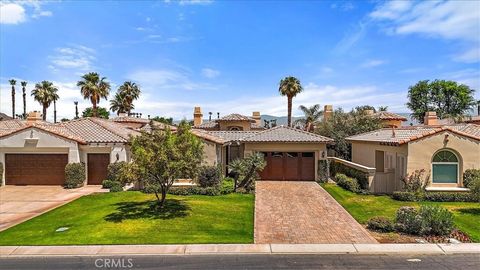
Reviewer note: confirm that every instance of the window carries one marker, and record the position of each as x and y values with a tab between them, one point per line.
235	128
445	167
379	161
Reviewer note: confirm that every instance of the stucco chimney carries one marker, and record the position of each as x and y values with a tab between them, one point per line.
34	116
430	119
327	112
257	118
197	116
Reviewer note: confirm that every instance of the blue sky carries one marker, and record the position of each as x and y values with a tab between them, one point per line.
229	56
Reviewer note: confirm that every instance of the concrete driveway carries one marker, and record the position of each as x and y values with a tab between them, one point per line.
20	203
295	212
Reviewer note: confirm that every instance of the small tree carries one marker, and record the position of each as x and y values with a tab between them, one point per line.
102	112
417	181
161	157
245	171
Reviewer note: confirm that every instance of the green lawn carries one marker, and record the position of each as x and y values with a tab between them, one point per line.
127	218
363	207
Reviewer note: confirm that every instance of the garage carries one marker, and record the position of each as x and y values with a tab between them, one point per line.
289	166
35	169
97	168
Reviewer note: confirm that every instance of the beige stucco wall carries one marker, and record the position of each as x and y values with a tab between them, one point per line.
224	125
317	148
421	153
390	123
209	153
364	152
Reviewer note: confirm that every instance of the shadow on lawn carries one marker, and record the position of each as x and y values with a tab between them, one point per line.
148	209
471	211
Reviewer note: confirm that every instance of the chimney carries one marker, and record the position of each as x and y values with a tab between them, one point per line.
257	118
197	116
122	114
369	112
430	119
327	112
34	116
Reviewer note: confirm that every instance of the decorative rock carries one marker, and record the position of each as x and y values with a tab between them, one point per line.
62	229
453	241
420	241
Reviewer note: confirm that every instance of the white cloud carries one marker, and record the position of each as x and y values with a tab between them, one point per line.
210	73
75	57
11	13
15	12
372	63
195	2
168	80
452	20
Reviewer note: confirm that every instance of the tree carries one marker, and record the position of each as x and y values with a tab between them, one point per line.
382	108
245	171
24	95
12	83
94	88
446	98
45	93
364	108
311	116
290	87
342	125
161	157
55	98
118	104
165	120
129	91
101	112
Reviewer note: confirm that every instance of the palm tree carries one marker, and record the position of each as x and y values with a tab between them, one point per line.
24	85
290	87
12	83
45	93
94	88
382	108
55	98
119	104
130	92
311	116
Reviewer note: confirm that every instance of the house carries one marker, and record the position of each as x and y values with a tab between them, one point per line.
291	154
139	123
34	152
444	151
388	119
4	117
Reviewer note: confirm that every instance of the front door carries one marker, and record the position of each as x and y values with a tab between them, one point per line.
97	168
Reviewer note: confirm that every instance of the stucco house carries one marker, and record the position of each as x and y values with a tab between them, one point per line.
444	151
34	152
291	154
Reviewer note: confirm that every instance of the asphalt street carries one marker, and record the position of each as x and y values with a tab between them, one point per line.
324	261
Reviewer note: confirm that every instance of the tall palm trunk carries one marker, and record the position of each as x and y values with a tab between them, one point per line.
44	111
54	111
24	103
13	102
289	110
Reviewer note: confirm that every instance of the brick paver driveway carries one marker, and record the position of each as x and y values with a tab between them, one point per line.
302	212
20	203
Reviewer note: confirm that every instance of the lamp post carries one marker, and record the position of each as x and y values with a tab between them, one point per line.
76	109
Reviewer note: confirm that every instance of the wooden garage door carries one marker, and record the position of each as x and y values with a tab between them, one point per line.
97	168
35	169
289	166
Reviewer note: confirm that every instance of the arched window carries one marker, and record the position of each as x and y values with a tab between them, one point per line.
235	128
445	167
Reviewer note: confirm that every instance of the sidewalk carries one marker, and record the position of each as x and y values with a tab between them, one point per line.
117	250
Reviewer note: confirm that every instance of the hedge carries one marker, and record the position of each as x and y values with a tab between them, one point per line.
469	176
434	196
347	183
337	167
74	175
407	196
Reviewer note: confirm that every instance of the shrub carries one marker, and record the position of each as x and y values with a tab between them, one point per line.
209	176
469	176
450	197
74	175
116	187
108	183
323	170
436	220
416	181
186	191
475	188
407	196
362	177
408	220
227	185
381	224
347	182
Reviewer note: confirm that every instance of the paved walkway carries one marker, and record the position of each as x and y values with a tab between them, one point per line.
20	203
291	212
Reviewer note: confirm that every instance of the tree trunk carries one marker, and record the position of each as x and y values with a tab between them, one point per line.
289	111
94	109
13	102
24	104
54	111
44	116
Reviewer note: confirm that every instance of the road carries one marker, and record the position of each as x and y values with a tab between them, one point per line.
390	262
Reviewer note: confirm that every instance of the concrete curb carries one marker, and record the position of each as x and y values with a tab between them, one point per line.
119	250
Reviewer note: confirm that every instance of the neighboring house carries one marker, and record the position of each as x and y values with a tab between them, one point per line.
444	151
4	117
139	123
291	154
34	152
388	119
